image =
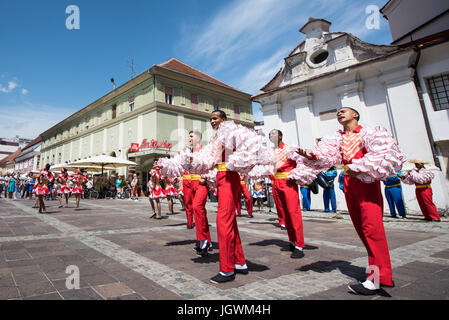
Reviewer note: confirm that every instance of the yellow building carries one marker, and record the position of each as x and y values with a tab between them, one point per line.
146	118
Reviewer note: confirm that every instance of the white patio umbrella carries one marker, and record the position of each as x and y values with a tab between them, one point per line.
103	161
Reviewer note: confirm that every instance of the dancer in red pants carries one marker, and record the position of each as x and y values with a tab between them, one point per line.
285	194
422	178
248	200
369	155
199	190
233	149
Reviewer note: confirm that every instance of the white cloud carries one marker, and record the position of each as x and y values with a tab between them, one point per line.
11	86
261	73
24	91
29	120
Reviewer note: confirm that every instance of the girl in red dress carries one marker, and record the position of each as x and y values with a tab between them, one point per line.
41	192
63	188
170	191
79	179
156	192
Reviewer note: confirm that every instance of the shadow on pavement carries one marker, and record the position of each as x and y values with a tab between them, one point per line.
279	243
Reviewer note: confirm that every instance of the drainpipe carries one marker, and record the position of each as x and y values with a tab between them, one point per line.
423	108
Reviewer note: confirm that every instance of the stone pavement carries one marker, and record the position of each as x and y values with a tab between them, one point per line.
123	254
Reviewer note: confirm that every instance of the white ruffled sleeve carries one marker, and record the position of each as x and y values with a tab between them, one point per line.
246	148
423	176
303	174
326	153
173	167
383	158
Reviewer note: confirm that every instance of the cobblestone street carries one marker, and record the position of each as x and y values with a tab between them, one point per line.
123	254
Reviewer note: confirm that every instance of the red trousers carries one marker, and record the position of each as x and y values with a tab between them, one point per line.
425	201
229	245
365	206
285	194
199	195
188	199
248	200
280	210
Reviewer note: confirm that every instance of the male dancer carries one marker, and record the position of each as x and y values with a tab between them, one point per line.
369	155
286	197
422	178
248	200
227	156
199	191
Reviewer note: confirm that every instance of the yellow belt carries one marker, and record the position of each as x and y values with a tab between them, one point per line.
305	187
222	166
396	185
422	186
242	182
281	175
345	169
195	177
187	177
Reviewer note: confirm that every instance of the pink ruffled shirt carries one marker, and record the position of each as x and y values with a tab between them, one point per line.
421	177
372	152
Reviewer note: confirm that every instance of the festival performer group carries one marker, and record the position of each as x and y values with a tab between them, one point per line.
236	154
369	155
61	186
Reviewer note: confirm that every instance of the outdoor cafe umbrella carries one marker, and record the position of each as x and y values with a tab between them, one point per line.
104	161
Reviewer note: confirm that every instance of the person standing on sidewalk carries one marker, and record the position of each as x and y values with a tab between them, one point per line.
422	177
393	193
329	193
369	155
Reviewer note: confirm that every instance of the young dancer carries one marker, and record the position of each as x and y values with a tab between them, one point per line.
369	156
233	149
41	192
422	178
79	180
156	192
170	192
64	187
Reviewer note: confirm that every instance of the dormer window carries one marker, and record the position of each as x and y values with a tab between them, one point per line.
319	58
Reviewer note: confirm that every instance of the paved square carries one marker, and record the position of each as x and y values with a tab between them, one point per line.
122	254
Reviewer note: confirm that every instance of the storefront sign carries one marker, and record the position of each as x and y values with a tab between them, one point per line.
153	144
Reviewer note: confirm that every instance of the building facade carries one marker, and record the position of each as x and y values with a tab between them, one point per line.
29	159
146	118
330	70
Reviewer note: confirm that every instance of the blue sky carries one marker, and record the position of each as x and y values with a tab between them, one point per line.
48	72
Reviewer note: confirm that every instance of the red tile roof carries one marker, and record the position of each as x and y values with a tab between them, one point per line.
178	66
11	157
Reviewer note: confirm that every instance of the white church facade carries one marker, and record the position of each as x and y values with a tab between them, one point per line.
330	70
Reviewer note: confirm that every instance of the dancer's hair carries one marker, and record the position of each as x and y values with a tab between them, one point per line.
279	132
222	114
196	133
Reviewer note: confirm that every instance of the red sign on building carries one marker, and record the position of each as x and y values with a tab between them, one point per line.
153	144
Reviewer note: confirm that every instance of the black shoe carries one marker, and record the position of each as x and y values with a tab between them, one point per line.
191	227
250	216
361	290
290	248
203	252
283	228
241	271
219	278
297	254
